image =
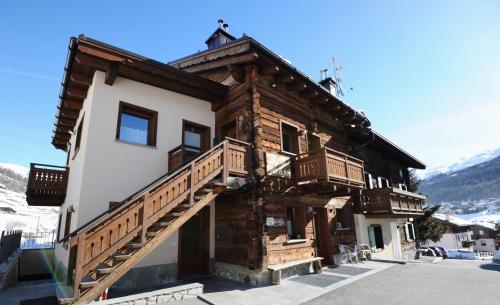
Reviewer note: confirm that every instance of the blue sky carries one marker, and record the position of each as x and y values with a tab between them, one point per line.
425	72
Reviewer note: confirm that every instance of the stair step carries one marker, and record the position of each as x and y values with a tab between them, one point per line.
152	234
88	282
177	214
135	245
121	256
104	269
161	223
64	294
188	205
206	190
197	197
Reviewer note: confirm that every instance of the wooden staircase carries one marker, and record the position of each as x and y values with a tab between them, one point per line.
104	250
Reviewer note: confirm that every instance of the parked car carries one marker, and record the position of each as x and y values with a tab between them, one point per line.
496	258
461	254
444	252
427	251
437	251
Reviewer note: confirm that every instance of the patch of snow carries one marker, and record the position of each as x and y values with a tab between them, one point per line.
26	218
463	163
452	219
18	169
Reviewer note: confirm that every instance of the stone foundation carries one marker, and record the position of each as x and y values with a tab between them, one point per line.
242	274
157	296
145	278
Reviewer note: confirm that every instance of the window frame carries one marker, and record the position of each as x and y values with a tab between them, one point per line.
311	135
78	140
297	140
67	222
298	223
141	112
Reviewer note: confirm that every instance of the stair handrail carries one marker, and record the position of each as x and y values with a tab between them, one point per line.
132	198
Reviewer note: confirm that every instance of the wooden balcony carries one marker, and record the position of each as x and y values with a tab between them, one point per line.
47	185
181	155
330	167
392	202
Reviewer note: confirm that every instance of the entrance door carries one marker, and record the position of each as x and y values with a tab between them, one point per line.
194	241
195	139
322	234
376	237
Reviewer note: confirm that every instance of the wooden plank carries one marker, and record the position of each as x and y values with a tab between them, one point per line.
81	79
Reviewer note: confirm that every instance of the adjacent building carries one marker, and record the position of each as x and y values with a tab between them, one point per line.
229	162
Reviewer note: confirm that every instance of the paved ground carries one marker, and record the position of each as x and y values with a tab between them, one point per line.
26	291
291	291
448	282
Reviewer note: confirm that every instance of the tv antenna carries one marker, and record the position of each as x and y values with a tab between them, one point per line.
338	70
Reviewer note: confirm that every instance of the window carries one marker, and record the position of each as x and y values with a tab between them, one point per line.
409	231
481	232
136	125
295	222
78	136
229	130
375	237
483	243
313	142
67	225
289	138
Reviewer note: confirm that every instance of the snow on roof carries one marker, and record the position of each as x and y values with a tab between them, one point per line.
452	219
18	169
485	224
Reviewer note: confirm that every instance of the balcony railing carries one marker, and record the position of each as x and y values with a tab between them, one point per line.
47	185
181	155
330	165
393	201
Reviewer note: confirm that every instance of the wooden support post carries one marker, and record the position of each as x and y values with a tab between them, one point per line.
80	250
191	188
225	162
144	217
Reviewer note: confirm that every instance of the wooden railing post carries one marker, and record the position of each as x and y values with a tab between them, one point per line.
80	251
191	187
144	217
347	170
225	162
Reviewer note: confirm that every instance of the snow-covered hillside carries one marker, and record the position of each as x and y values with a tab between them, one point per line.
461	164
15	214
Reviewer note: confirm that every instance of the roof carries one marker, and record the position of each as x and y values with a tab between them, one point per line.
208	55
487	225
453	220
86	55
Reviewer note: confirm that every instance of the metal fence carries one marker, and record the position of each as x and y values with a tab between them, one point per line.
9	243
38	240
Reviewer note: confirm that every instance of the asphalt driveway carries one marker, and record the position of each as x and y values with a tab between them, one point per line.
448	282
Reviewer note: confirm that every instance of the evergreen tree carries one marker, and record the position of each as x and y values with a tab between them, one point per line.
414	183
429	228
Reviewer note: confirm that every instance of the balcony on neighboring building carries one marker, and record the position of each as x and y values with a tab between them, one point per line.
330	169
391	201
47	185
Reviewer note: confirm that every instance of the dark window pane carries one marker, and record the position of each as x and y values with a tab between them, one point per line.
134	129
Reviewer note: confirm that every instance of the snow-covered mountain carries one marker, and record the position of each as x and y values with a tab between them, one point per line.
463	163
15	214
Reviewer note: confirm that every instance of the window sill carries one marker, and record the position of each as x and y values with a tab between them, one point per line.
135	144
287	153
295	241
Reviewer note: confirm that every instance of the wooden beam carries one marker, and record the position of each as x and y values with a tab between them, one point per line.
67	121
73	104
309	94
321	100
76	93
283	78
269	69
81	79
111	73
237	72
297	86
240	59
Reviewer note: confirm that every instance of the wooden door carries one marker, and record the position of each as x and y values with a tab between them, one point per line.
322	235
194	244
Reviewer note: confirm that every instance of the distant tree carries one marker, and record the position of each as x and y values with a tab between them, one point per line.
414	183
429	228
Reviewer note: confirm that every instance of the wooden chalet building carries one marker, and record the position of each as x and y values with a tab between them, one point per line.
229	161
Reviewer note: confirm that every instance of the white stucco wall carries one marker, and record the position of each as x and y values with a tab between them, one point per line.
107	170
489	247
452	240
389	227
